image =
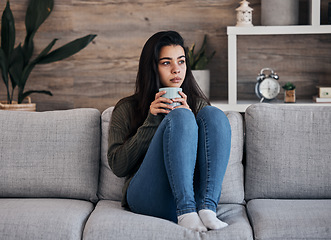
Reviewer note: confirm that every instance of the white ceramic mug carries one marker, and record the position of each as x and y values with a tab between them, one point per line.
172	93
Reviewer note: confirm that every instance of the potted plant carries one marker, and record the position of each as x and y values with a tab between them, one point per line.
16	64
198	62
289	95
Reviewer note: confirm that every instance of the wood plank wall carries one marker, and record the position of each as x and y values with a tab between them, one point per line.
105	71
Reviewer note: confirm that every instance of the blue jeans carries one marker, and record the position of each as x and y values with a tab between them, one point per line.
184	166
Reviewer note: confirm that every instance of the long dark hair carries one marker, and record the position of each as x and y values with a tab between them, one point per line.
148	83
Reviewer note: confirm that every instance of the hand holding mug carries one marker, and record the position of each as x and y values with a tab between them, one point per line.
167	99
182	101
161	104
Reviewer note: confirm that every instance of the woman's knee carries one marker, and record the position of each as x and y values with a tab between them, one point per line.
180	113
182	118
214	117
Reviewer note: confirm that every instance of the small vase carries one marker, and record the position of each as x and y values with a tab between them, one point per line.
289	96
202	77
279	12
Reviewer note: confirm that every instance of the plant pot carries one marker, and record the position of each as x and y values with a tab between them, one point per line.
289	96
202	77
14	106
278	13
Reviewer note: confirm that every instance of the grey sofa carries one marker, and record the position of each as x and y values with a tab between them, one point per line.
55	182
288	171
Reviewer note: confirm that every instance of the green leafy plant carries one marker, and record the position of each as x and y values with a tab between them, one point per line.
289	86
16	63
199	60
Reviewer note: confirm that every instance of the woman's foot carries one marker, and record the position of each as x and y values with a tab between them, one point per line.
191	221
209	219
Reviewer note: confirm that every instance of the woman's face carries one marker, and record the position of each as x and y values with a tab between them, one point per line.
172	66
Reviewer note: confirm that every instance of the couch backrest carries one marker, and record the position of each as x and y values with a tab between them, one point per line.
50	154
288	151
233	185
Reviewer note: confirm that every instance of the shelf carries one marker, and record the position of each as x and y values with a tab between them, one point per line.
279	30
233	104
241	106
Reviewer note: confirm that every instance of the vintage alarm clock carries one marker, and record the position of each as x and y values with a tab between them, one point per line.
267	86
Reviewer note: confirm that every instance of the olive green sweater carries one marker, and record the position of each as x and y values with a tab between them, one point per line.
126	155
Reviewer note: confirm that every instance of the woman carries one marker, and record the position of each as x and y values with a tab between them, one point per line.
174	158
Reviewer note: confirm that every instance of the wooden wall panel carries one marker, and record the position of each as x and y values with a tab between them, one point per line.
105	71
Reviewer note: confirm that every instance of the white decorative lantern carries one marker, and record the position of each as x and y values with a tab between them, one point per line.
244	15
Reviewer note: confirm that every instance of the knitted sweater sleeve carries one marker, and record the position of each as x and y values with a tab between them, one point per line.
125	155
201	104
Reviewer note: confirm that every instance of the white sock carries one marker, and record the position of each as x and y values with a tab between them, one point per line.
209	219
191	221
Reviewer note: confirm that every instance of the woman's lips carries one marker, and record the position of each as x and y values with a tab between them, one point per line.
176	80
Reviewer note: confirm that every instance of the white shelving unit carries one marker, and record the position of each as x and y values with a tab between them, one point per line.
314	28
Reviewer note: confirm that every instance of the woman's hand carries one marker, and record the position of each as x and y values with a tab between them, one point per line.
159	104
183	101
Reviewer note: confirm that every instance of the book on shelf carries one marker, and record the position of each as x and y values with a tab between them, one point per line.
321	100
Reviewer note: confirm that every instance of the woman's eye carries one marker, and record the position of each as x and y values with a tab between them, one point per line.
181	62
165	63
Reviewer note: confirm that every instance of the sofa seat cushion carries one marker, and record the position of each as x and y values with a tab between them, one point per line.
290	219
110	187
50	154
43	218
110	221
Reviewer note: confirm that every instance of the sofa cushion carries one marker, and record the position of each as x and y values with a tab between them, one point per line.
110	186
109	219
232	189
288	151
50	154
43	218
290	219
233	183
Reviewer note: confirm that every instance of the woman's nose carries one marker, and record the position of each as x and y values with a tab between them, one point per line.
175	69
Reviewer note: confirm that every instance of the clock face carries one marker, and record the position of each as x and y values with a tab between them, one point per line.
269	88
